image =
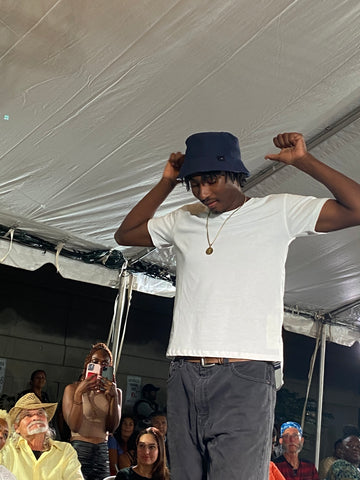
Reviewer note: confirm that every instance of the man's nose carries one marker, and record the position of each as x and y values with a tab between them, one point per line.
203	191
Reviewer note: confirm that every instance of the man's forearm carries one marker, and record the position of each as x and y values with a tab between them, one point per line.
344	189
345	210
138	217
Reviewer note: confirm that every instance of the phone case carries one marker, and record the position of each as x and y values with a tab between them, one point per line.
107	372
93	369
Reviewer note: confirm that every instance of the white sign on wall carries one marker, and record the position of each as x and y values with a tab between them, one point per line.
133	390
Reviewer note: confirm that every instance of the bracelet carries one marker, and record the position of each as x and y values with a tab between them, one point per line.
77	403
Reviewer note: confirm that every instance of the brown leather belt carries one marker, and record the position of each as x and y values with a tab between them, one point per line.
210	361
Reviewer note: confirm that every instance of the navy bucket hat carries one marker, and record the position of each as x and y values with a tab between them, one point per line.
212	151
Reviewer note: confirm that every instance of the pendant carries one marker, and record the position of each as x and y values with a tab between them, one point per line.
209	251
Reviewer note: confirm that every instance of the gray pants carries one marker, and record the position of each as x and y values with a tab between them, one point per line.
220	420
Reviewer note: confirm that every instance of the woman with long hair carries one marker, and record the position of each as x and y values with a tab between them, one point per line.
92	409
121	442
151	458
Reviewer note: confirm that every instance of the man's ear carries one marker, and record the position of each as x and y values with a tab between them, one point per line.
280	440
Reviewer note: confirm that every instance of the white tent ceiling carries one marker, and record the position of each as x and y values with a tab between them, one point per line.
95	94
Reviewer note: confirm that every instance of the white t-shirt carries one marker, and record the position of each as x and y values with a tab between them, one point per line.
230	304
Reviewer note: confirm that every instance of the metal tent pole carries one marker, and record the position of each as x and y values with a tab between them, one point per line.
119	309
321	394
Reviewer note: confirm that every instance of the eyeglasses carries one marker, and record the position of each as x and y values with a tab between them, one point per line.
291	436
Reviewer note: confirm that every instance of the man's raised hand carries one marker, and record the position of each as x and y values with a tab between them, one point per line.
173	166
292	148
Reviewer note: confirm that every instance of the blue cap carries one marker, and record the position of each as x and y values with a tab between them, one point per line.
286	425
212	151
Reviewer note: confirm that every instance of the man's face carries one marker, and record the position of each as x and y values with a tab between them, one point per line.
31	422
217	193
291	440
351	450
150	395
4	432
160	423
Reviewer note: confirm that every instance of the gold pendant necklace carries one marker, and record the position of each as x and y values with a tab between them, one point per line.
210	249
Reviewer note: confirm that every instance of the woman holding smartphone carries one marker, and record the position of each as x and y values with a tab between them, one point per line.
92	408
150	458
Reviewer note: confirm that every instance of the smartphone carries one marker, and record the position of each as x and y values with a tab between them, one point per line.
108	373
93	369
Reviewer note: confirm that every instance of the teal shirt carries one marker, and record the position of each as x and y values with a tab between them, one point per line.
343	470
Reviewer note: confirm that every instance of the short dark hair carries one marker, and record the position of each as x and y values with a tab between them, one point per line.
235	177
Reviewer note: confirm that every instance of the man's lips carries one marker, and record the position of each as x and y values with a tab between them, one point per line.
210	203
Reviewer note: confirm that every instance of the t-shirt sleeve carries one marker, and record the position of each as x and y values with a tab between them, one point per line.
302	213
112	443
161	229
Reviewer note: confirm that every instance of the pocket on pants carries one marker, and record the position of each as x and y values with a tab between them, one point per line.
174	368
255	371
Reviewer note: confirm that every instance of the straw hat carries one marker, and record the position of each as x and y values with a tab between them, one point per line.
31	402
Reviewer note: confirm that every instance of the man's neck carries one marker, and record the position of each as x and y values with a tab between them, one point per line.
293	459
36	442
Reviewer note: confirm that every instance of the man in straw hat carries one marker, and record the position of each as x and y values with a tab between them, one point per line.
32	454
230	275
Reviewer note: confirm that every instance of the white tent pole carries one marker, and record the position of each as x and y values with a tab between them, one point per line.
310	375
321	394
116	327
130	287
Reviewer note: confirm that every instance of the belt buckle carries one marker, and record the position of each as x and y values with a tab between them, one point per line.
203	364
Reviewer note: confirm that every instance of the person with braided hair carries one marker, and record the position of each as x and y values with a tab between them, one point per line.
92	409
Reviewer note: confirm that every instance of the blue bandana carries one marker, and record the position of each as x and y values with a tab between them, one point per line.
286	425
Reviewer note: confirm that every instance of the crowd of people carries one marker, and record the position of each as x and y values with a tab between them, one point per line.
101	441
122	448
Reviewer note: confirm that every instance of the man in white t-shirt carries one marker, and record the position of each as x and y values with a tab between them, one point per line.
225	336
